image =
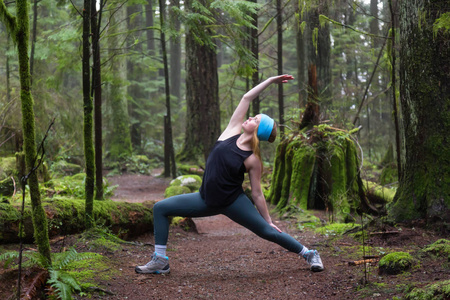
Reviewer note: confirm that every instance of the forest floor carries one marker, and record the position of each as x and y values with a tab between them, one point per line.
221	260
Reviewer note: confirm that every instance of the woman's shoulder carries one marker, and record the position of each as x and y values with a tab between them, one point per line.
252	163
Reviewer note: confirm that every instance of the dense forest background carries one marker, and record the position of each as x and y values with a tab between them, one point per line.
146	84
116	86
133	72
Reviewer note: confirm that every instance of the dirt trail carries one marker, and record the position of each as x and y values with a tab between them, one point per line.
223	260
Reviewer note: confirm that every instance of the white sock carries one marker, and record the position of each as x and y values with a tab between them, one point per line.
161	249
304	250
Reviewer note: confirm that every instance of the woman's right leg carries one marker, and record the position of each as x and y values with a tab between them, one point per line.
186	205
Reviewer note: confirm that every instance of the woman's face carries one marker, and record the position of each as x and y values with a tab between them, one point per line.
251	124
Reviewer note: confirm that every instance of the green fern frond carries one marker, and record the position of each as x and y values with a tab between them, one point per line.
65	258
9	257
63	290
33	258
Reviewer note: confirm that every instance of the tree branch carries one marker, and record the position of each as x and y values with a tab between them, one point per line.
9	20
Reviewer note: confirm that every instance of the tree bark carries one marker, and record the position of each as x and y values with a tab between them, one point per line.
28	123
96	93
135	90
319	51
280	64
175	57
88	122
33	39
424	187
202	96
169	156
119	139
254	46
66	217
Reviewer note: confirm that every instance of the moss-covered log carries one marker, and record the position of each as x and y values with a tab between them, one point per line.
318	169
66	216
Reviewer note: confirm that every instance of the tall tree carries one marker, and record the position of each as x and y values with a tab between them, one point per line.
254	48
120	138
280	63
317	43
175	54
135	69
169	153
96	94
424	186
203	109
88	109
19	29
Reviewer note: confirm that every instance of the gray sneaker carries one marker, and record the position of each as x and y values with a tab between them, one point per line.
313	259
158	265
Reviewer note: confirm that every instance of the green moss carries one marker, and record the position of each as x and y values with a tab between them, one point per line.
436	291
176	190
186	169
389	174
7	167
63	168
278	171
193	182
395	263
336	228
317	169
8	213
440	247
89	271
383	194
6	187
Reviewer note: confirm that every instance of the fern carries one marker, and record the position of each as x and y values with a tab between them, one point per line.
63	289
61	282
33	259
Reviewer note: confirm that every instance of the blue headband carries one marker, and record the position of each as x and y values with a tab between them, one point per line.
265	127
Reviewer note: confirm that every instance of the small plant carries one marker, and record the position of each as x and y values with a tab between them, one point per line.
62	284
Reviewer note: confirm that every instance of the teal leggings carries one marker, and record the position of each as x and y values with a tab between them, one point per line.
241	211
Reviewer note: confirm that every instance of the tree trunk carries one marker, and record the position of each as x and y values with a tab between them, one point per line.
319	51
280	64
301	62
38	213
202	97
88	108
373	25
254	47
424	189
149	22
175	56
33	40
96	93
8	72
169	156
119	139
135	90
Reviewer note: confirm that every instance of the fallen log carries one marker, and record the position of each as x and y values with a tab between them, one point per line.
363	261
66	216
384	232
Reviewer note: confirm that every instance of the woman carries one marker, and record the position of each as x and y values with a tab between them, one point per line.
221	192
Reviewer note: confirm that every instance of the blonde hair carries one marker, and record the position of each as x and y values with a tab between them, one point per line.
255	141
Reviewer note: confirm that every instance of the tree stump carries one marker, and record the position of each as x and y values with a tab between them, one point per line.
318	169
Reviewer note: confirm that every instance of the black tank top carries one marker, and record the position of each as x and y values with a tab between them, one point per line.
224	173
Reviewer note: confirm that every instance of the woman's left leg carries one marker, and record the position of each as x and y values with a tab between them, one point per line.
243	212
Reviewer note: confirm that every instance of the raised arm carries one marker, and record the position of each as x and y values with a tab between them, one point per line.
234	126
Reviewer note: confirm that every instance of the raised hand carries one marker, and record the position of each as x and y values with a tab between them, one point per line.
282	78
